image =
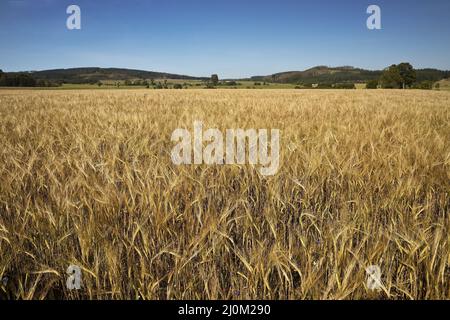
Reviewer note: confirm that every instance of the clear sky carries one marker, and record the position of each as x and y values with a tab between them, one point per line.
234	38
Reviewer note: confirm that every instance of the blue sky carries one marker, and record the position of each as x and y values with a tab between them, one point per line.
234	38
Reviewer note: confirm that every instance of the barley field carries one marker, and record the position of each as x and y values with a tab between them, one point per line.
86	179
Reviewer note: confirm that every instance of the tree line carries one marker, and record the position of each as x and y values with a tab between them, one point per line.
23	80
16	80
400	76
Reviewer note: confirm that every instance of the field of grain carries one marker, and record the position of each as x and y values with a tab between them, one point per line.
86	179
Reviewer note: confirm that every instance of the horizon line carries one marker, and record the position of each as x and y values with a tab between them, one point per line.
207	76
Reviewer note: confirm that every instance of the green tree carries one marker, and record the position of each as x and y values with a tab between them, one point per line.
214	79
398	76
407	73
372	84
424	85
391	78
17	80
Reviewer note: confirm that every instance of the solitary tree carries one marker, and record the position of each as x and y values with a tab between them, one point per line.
391	78
398	76
215	79
407	73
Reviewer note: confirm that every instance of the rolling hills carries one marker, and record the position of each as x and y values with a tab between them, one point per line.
91	75
321	74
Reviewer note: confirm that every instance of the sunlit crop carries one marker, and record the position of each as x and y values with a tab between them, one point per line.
86	179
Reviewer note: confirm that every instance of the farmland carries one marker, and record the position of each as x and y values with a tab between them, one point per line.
86	179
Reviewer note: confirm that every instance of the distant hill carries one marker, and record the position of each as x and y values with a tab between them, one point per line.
323	74
92	75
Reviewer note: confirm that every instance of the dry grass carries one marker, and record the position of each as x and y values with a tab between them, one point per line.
86	179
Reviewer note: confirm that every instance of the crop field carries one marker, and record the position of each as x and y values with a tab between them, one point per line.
86	179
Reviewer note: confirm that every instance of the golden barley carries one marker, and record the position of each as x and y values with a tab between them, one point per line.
86	179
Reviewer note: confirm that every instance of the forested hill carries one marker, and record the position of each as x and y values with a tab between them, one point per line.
323	74
93	75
